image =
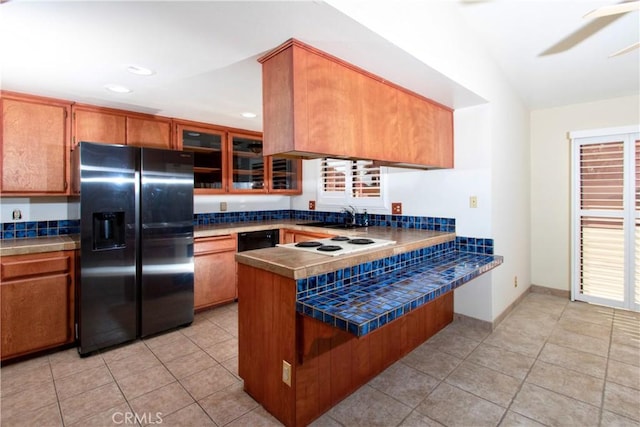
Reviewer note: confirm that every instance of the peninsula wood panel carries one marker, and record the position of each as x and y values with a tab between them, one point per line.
328	364
266	337
35	145
37	302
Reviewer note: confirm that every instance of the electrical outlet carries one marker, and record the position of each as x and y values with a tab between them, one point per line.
17	214
286	373
396	208
473	202
223	206
515	281
312	205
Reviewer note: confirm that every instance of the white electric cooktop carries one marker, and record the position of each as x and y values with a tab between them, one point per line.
338	245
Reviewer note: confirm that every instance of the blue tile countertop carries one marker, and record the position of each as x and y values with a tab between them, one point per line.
363	306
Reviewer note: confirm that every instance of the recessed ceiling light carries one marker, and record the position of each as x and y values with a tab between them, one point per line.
141	71
118	88
249	115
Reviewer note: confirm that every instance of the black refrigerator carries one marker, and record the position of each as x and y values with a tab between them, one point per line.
136	254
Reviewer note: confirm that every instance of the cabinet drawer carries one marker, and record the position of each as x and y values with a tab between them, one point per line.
215	244
32	265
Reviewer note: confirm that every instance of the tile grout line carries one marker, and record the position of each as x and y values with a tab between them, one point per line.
535	360
197	402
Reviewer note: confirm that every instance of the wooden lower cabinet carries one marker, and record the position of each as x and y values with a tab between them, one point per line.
37	302
215	271
296	236
327	364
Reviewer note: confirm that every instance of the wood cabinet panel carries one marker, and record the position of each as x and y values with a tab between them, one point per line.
380	139
101	125
334	102
214	271
149	132
35	145
316	105
296	236
37	302
278	87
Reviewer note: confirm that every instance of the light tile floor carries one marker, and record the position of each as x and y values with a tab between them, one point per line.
551	362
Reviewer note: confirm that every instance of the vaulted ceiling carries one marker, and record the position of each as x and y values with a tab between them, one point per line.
203	54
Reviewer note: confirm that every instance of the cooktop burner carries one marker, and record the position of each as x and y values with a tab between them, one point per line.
361	241
338	245
329	248
308	244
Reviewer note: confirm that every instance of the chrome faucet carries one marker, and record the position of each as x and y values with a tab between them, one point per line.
351	212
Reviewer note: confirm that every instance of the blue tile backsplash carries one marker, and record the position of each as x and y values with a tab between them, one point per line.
419	222
31	229
34	229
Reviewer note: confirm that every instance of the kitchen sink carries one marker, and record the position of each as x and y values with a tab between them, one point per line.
336	225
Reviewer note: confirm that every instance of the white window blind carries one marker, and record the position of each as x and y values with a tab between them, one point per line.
357	182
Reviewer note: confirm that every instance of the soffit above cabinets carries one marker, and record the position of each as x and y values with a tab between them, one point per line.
203	56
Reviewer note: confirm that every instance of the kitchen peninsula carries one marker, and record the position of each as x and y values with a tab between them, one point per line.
314	328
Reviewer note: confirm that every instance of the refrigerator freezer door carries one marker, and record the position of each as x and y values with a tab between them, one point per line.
166	240
107	291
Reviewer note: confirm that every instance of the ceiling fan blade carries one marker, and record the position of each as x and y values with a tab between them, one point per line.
625	50
614	9
580	34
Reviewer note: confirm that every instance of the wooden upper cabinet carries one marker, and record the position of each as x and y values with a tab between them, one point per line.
93	124
110	126
152	132
35	145
316	105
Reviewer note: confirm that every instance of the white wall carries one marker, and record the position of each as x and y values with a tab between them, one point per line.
39	208
551	180
491	142
237	203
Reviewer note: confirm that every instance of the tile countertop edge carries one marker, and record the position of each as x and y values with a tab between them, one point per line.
72	241
299	265
39	245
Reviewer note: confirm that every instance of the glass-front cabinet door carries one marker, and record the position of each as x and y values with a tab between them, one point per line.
285	175
247	164
209	157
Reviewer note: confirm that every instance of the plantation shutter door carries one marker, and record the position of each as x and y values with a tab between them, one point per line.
606	267
602	237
